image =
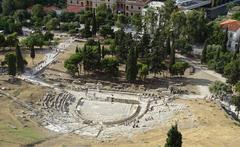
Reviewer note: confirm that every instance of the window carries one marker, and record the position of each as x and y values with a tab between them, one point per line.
82	4
131	7
131	14
139	8
229	44
126	7
236	46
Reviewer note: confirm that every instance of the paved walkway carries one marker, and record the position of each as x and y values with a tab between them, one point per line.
31	76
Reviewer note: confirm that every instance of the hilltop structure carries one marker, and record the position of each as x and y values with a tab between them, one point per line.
127	7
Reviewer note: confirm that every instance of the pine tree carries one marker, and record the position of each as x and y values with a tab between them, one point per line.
131	66
20	60
174	137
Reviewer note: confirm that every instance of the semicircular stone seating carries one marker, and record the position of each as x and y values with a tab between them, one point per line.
60	101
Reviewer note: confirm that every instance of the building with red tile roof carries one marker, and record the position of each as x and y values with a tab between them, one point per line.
233	28
232	25
74	8
127	7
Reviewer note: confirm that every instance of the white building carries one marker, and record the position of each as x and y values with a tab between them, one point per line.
233	27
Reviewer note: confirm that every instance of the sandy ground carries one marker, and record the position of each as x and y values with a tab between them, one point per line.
212	128
57	67
39	57
15	129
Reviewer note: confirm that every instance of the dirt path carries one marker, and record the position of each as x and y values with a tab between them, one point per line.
202	74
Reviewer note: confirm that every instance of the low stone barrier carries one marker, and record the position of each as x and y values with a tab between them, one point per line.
125	119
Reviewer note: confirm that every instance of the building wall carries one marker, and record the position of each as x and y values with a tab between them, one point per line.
127	7
233	40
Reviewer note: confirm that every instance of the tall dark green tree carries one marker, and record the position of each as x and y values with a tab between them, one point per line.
76	50
122	42
87	31
94	24
11	62
2	40
131	66
32	53
103	52
7	7
99	53
204	52
156	64
225	41
20	60
168	46
174	137
172	55
144	44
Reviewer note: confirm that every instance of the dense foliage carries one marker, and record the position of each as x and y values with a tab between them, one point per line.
174	138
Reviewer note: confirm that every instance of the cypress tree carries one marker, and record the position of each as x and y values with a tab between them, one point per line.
145	43
76	50
218	54
204	52
103	52
11	62
20	60
94	24
172	56
84	56
225	41
131	66
99	55
174	137
87	28
32	53
168	46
